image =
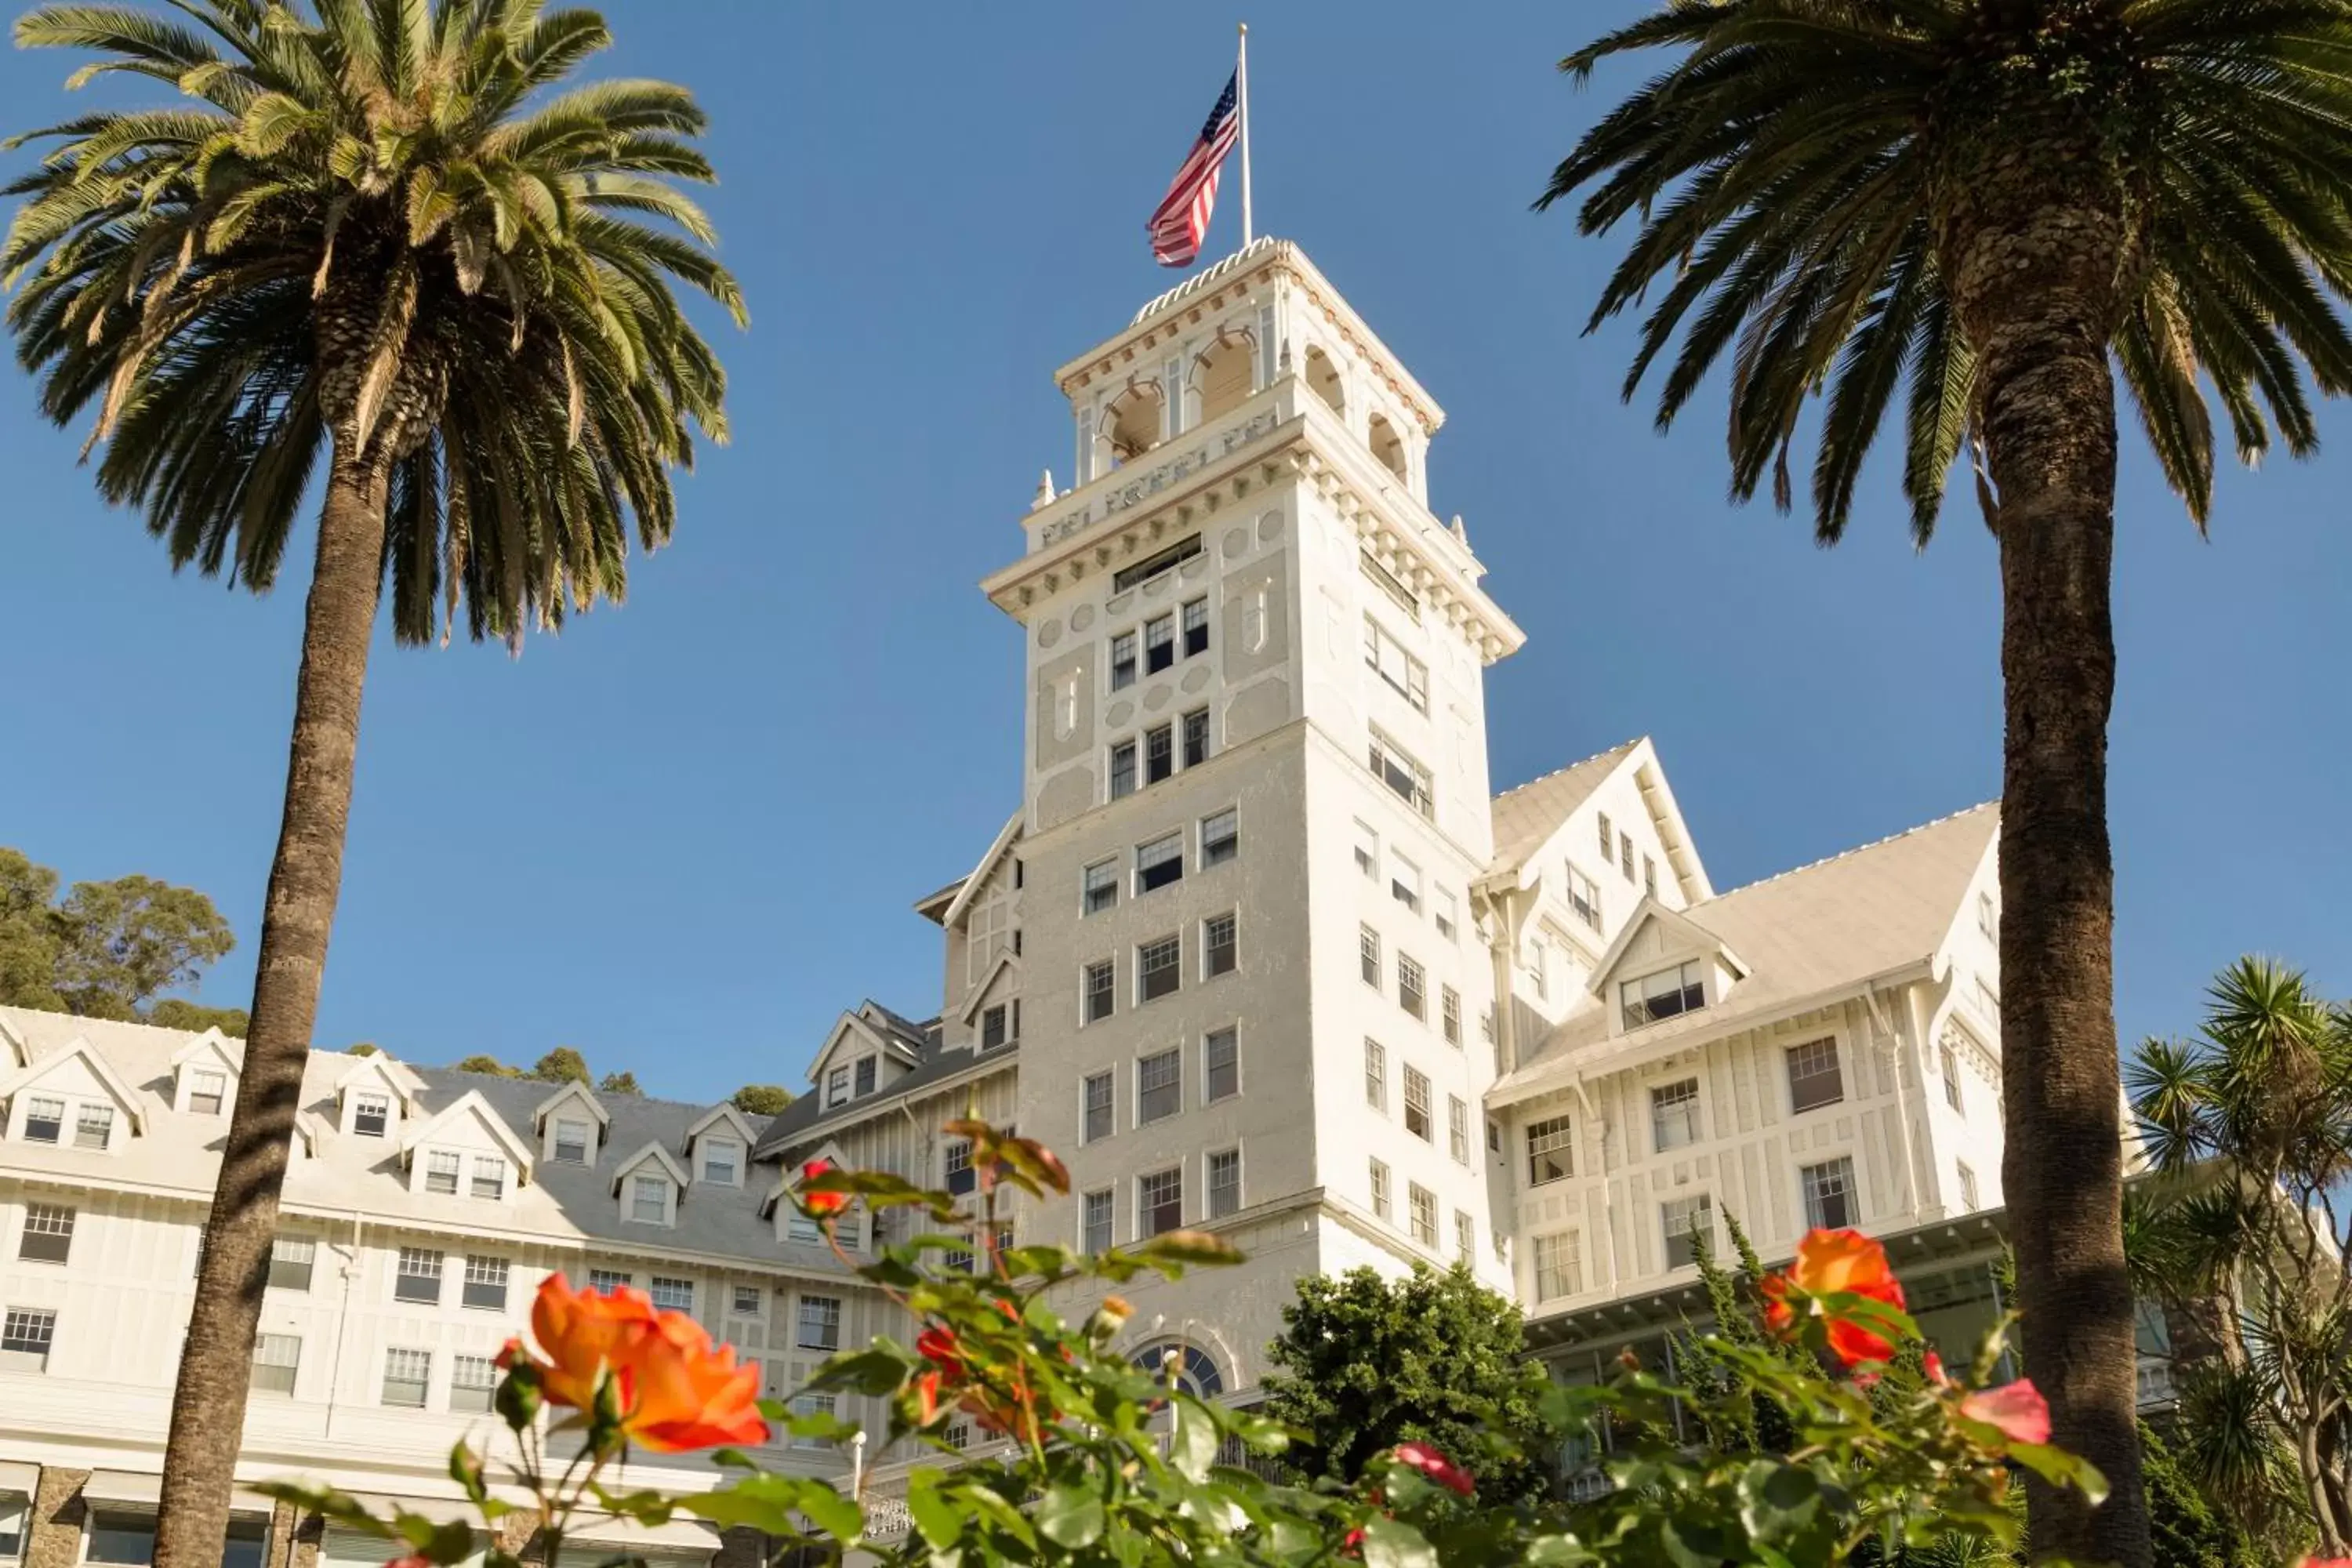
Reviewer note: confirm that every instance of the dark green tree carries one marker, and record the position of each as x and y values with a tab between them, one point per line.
561	1065
369	256
29	938
618	1083
489	1065
1991	209
1366	1364
121	943
762	1100
177	1013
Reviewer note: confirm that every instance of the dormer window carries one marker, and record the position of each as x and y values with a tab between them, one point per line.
489	1177
865	1068
722	1161
571	1139
1667	993
649	1200
441	1169
208	1090
372	1115
836	1087
45	1118
94	1128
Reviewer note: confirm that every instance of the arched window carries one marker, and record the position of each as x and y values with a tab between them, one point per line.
1222	375
1131	424
1387	445
1324	377
1196	1372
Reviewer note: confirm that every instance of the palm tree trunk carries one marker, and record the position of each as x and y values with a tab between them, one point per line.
2034	240
305	879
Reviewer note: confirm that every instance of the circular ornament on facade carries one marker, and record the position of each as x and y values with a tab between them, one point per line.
1120	712
1269	528
1082	617
1196	678
1158	697
1049	634
1235	542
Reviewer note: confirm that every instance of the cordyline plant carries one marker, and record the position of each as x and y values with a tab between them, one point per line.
1100	1462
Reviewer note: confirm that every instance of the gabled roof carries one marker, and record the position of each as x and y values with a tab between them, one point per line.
978	994
396	1076
77	1049
724	1112
470	1103
570	1089
13	1051
658	1154
1644	913
1006	836
1526	817
213	1042
1871	915
802	1119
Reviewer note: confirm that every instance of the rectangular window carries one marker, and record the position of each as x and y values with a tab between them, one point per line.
276	1359
1625	854
649	1199
1668	994
1441	913
472	1383
1421	1207
291	1262
407	1374
1987	920
130	1538
1225	1183
1160	862
1608	841
746	1301
993	1026
417	1278
1221	1052
1405	777
1159	1201
486	1283
1158	1087
1101	887
836	1087
1158	968
956	1161
370	1115
671	1294
1412	986
1951	1066
1584	898
1387	657
441	1170
45	1118
1196	626
812	1405
1465	1240
489	1177
1559	1266
1376	1075
1101	984
1096	1236
1674	1115
208	1091
1101	1117
1219	947
820	1323
1449	1013
1417	1119
1122	661
27	1332
721	1159
1685	1219
1649	876
1551	1155
607	1280
863	1067
49	1234
1158	644
1221	838
1368	852
1813	1077
1967	1188
1158	753
1367	955
1379	1189
93	1126
1195	737
1404	882
1143	570
1457	1129
570	1140
13	1521
1830	1198
1386	581
806	1232
1122	770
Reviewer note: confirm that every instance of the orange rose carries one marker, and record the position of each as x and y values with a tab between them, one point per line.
1830	1263
585	1333
683	1394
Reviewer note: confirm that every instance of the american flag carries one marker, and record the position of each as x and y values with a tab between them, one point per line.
1182	216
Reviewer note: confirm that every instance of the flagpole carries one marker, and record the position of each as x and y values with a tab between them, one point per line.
1241	70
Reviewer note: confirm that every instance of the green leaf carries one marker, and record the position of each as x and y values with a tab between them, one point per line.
450	1543
1194	1248
2061	1469
878	1370
1194	1446
1389	1544
1070	1516
938	1523
770	1502
1553	1552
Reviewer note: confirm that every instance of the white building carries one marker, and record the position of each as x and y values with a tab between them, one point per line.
1259	952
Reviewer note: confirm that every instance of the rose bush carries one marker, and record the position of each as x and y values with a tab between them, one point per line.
1103	1463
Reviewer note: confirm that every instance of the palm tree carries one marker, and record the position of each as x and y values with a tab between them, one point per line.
2250	1126
366	229
1993	205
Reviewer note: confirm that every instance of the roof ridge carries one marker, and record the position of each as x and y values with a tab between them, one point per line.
1571	767
1850	853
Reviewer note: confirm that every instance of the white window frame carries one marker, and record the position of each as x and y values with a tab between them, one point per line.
1388	657
1231	1066
1693	1209
1225	1198
1672	1103
415	1362
1825	1181
653	1184
1558	1266
1814	1074
1554	1135
1098	886
1092	1107
1376	1075
1160	1075
1641	999
1155	853
1391	764
729	1173
1174	969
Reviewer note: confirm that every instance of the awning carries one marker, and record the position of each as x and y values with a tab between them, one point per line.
677	1535
439	1509
135	1488
19	1478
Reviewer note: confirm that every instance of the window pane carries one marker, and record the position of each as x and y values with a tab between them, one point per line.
1100	1209
486	1283
1813	1077
1457	1129
1196	737
1160	1086
1376	1075
441	1167
1158	644
1559	1266
1158	753
1225	1183
49	1234
418	1278
1100	984
1159	1201
1122	770
1552	1154
1379	1189
473	1380
1685	1218
1666	994
1412	986
121	1538
92	1126
45	1118
1219	950
1367	955
489	1177
1221	838
672	1294
1674	1115
407	1374
1224	1063
290	1259
1196	627
1160	862
1830	1194
820	1323
276	1360
1159	967
1416	1103
1098	1106
1101	892
1122	661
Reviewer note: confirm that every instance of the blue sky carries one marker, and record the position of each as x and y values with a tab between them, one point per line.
685	834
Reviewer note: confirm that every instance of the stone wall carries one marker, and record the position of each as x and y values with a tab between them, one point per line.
55	1539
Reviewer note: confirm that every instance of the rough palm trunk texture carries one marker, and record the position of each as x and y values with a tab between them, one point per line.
2035	236
208	1403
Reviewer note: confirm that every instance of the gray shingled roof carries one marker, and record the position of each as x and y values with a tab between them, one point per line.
804	1121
